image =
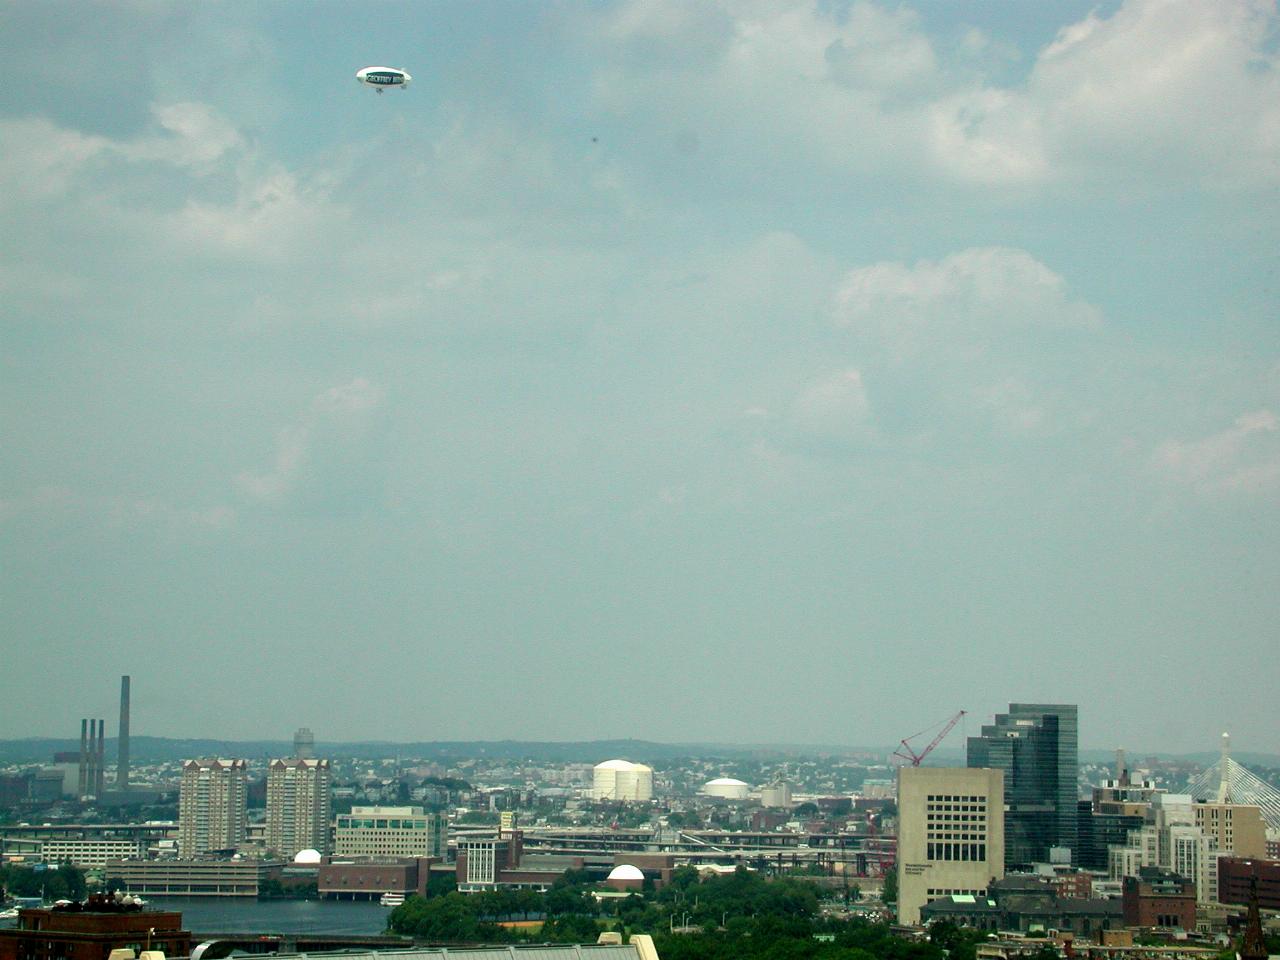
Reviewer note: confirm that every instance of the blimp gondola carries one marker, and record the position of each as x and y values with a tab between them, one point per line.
381	77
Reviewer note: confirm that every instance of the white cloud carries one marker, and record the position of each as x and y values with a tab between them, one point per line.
834	407
974	295
1244	457
205	192
291	451
1013	406
39	159
194	135
988	136
272	214
323	452
1141	92
61	501
357	395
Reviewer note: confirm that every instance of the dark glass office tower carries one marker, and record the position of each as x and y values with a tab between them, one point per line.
1036	745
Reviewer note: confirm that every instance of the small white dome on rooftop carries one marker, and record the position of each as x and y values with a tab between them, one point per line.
625	871
725	782
307	856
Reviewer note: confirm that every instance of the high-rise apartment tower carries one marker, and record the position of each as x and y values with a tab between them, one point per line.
298	806
1036	745
211	806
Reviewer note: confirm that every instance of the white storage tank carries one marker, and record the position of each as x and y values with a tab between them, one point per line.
726	788
604	779
776	794
621	780
644	782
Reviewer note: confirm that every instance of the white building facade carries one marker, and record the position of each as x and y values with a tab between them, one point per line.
389	832
950	834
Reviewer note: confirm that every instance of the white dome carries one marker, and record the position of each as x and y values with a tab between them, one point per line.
625	871
307	856
727	788
615	765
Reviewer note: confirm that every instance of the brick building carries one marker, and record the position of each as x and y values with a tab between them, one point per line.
91	931
1235	874
370	879
1159	898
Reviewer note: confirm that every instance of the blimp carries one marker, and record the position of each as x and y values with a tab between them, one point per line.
380	77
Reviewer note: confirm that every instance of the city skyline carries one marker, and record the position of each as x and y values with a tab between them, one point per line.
797	372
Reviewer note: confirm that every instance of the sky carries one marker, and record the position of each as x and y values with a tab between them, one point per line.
746	372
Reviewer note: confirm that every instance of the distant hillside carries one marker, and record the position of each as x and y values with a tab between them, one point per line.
144	749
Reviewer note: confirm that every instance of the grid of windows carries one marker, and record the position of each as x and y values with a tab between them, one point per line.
956	828
389	832
1036	745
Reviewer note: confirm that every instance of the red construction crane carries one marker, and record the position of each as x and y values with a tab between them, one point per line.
908	755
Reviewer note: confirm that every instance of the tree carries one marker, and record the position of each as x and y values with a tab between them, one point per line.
441	884
890	894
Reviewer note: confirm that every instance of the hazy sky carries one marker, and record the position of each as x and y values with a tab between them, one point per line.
739	371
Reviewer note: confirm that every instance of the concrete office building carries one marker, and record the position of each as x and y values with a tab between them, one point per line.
1238	828
298	806
211	806
1036	745
90	853
389	832
1171	841
490	863
1117	807
950	834
193	878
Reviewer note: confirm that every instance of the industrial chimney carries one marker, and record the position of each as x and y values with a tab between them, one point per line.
99	761
83	783
122	738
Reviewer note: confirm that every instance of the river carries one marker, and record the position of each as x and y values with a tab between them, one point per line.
246	915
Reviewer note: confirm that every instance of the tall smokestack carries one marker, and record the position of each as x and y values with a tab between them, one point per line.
90	771
99	767
122	738
84	757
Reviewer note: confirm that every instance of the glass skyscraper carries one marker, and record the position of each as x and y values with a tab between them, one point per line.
1036	745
